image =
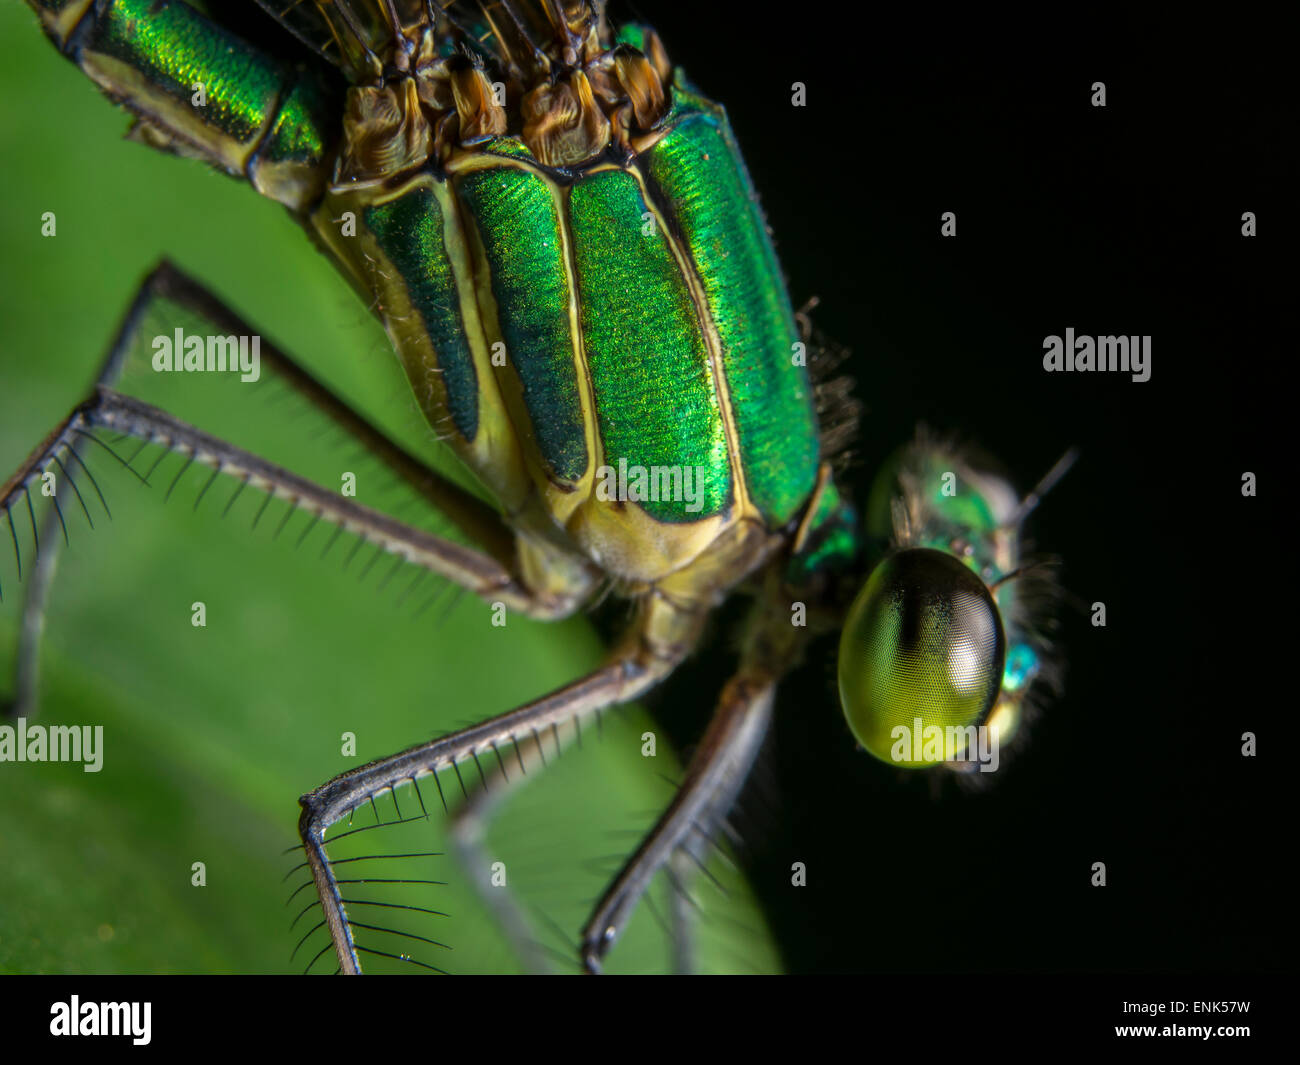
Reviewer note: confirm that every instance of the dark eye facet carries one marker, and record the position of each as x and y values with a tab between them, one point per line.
923	642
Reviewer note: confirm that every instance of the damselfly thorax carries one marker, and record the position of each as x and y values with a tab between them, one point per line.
622	311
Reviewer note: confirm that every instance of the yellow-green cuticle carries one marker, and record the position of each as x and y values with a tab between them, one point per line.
922	647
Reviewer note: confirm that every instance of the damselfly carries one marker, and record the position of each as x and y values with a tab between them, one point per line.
689	243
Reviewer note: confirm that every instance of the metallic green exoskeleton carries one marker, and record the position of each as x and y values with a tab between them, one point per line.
562	241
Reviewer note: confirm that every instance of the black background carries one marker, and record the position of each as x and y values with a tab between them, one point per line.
1123	219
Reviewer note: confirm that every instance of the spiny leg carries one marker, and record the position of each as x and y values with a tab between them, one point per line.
45	564
468	827
66	449
48	545
468	567
473	569
660	638
478	521
27	659
471	819
713	779
681	869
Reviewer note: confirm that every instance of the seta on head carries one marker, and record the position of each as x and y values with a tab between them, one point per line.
942	644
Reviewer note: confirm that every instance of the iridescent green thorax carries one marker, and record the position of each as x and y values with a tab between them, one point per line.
517	222
701	175
656	402
410	231
624	315
567	301
623	308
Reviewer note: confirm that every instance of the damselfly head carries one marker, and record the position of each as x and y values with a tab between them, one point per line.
923	648
941	645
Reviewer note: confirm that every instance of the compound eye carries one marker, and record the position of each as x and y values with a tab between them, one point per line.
922	646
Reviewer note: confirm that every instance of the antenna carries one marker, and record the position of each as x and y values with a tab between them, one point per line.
1048	482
